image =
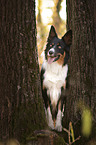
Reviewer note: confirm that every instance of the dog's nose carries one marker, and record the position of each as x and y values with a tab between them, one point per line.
51	52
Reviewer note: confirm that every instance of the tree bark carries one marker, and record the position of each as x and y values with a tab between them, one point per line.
81	18
21	107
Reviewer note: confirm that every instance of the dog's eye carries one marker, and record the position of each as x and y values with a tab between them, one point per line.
51	44
59	47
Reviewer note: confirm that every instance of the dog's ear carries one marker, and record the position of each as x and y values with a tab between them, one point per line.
68	38
52	33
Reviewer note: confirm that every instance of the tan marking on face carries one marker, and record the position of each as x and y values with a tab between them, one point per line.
61	59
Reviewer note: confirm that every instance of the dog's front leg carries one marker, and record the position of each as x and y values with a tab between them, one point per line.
49	118
58	126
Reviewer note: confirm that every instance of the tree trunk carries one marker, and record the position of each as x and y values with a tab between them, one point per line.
81	18
21	107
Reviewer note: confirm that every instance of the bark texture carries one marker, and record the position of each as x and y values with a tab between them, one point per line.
21	107
81	18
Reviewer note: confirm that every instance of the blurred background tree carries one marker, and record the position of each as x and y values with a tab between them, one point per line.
49	12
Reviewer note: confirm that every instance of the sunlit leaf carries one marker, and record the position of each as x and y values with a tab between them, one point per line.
86	122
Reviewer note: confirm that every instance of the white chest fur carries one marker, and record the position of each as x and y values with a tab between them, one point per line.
54	78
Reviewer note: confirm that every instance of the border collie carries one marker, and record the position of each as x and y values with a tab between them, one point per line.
53	76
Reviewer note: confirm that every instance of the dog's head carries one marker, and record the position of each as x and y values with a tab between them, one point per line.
58	49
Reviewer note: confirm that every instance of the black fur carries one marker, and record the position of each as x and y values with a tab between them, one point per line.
61	47
64	43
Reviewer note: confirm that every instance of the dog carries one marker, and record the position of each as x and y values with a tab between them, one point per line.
53	76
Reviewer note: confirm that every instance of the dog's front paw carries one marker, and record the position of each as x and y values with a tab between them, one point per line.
58	128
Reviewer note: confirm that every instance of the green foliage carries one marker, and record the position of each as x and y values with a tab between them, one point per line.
86	122
86	118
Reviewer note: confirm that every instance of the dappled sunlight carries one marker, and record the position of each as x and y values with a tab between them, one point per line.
49	12
63	10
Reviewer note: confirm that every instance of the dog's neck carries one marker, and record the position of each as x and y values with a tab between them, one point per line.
54	67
